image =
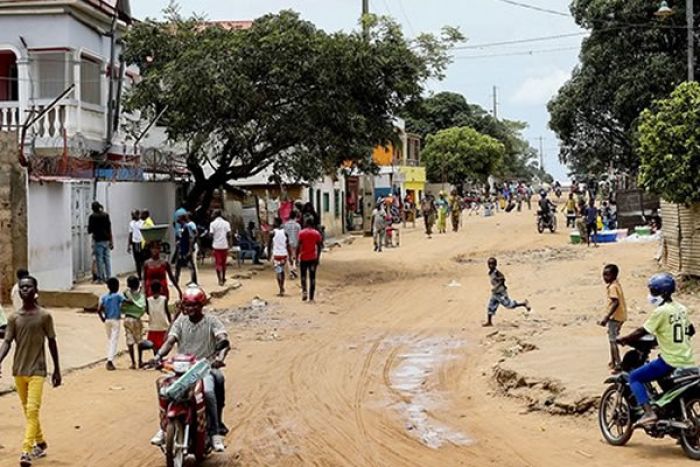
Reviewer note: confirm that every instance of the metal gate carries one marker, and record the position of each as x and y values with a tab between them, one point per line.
81	198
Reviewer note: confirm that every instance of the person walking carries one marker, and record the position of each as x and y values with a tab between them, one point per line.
135	246
110	313
442	208
379	226
292	228
310	241
186	249
220	230
28	329
157	269
100	227
455	210
427	208
279	248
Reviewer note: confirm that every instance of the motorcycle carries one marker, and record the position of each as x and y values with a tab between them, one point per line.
676	402
183	414
548	221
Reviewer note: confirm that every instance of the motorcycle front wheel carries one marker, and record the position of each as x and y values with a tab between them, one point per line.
690	439
615	417
174	442
540	226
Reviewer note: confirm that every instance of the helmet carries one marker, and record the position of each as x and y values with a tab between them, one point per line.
194	294
662	284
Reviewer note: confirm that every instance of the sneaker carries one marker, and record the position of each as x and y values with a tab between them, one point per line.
158	439
217	442
647	420
304	297
25	460
110	366
527	305
39	450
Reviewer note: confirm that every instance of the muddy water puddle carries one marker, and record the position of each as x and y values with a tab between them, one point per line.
413	377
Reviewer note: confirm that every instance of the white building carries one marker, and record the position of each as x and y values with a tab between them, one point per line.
75	149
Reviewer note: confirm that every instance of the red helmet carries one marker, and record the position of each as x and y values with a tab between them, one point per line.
194	294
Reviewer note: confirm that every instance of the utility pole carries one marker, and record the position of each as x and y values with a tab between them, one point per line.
495	102
541	153
691	39
365	26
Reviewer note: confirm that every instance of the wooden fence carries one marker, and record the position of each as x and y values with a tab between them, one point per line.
681	230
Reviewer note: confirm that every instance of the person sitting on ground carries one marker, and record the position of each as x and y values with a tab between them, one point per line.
159	319
670	324
249	235
616	313
14	293
499	293
133	309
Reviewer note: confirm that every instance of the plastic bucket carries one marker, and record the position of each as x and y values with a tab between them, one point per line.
607	236
642	230
575	238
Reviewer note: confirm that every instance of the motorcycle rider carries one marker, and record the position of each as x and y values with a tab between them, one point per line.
200	335
669	323
547	207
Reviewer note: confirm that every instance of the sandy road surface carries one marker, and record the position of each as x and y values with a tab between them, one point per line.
390	367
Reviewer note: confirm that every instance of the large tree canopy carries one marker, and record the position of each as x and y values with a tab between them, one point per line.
448	110
462	154
282	94
630	59
668	135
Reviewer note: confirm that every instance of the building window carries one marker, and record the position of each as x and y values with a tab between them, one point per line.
336	203
90	80
326	202
52	73
8	77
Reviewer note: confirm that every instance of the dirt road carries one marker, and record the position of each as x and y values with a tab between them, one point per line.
390	367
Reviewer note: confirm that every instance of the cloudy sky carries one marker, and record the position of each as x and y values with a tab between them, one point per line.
526	74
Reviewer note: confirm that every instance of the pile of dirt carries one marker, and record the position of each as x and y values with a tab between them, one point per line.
533	256
542	394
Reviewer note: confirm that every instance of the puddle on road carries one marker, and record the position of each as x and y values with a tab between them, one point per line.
416	366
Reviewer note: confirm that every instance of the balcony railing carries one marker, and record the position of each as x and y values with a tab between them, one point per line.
64	120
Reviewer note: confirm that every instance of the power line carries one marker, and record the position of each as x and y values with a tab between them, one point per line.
536	8
520	41
408	21
514	54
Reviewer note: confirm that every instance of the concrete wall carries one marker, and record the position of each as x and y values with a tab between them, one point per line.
120	198
50	240
332	219
13	214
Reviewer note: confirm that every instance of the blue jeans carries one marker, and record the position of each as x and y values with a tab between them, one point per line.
103	260
650	372
214	398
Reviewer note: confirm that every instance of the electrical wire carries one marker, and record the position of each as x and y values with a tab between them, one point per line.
514	54
408	20
520	41
535	8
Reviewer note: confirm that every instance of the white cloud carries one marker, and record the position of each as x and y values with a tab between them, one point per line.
538	90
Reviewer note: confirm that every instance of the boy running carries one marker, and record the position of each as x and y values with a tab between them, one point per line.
133	308
110	312
499	293
616	313
28	328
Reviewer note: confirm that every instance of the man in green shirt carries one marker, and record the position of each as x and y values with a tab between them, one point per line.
670	325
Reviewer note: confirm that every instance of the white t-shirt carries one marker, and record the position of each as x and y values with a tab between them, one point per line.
279	243
158	319
135	231
220	228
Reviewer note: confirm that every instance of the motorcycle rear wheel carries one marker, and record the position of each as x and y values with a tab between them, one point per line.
615	422
690	439
174	439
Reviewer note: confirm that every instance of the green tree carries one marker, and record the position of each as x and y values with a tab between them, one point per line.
462	154
282	95
630	59
447	110
669	146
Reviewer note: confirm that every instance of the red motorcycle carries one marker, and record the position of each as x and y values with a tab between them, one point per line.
183	414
